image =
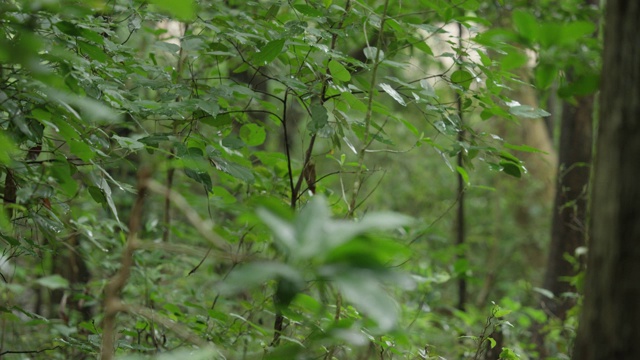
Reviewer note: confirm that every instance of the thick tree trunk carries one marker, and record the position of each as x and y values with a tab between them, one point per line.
569	215
610	322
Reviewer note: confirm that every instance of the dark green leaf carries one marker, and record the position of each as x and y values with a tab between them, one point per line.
269	52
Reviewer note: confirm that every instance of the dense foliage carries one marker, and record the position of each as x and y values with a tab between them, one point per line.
227	177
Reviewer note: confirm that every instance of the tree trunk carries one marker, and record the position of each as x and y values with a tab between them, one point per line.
569	215
610	322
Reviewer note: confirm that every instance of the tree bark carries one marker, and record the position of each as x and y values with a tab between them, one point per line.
568	230
610	320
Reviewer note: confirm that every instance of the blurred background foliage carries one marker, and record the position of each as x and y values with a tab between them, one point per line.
283	141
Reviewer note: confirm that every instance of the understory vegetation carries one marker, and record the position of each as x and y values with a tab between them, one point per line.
332	179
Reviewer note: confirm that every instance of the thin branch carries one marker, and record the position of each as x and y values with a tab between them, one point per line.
113	289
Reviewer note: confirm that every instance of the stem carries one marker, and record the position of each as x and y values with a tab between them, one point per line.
112	302
460	224
367	119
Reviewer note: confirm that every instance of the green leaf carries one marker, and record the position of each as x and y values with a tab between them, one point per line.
182	9
53	282
269	52
252	134
510	168
106	191
462	78
545	75
338	71
7	147
526	111
492	342
252	275
524	148
362	288
284	231
526	24
585	84
128	143
93	52
513	60
463	173
308	10
319	117
354	102
393	93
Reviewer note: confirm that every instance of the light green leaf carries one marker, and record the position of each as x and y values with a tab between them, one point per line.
252	134
462	78
182	9
128	143
526	111
354	102
526	24
370	52
393	93
362	288
53	282
524	148
81	150
463	173
284	231
106	191
338	71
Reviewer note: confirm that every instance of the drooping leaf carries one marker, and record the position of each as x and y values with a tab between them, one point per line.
53	282
393	93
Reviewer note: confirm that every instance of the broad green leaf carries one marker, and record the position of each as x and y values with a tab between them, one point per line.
462	78
339	231
128	143
81	150
545	75
182	9
310	226
319	117
93	52
269	52
526	24
62	173
584	84
53	282
510	168
338	71
354	102
284	231
7	147
252	134
252	275
513	60
371	52
363	289
393	93
308	10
